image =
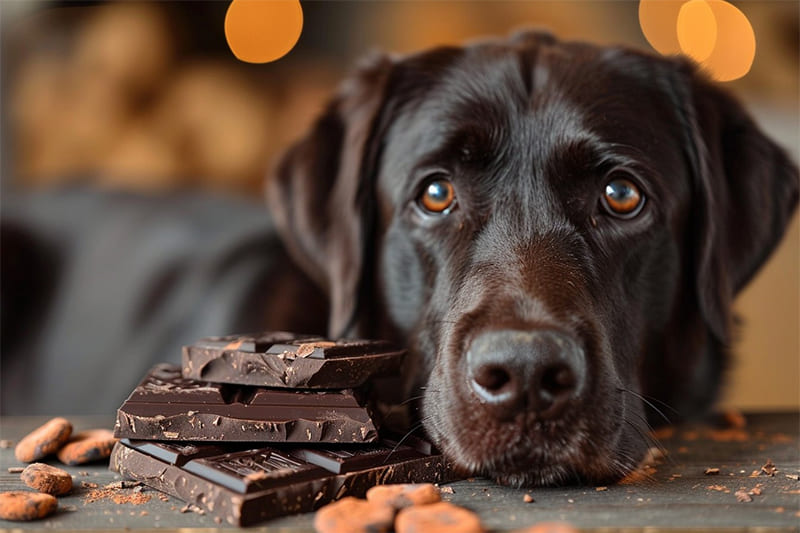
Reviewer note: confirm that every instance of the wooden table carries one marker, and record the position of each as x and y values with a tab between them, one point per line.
676	495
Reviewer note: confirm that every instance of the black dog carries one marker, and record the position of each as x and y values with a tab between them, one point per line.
556	230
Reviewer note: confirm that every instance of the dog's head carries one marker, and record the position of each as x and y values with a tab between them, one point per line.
556	230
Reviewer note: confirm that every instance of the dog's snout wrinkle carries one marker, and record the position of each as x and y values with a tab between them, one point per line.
540	370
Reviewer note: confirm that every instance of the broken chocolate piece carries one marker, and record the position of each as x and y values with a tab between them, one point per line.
166	406
247	486
285	360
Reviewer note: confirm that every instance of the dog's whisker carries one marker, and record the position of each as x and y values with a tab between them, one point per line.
649	403
652	441
663	404
414	428
648	440
624	468
656	400
411	399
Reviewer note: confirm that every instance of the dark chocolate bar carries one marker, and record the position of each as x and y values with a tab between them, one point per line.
286	360
166	406
244	487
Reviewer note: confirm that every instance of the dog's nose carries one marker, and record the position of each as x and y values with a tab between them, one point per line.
541	370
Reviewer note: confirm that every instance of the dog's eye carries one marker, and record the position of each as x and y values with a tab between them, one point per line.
438	197
623	198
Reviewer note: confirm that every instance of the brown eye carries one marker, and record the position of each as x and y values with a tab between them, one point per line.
438	196
623	197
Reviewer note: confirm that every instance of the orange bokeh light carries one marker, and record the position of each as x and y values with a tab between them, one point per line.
735	49
657	20
697	30
714	33
260	31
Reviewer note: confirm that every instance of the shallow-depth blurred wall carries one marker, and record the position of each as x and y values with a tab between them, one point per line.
146	96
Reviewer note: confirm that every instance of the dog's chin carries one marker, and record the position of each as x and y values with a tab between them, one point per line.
542	470
558	455
542	476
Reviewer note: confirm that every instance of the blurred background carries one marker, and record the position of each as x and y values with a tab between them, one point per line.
147	97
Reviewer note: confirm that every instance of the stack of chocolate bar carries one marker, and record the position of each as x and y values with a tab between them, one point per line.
200	432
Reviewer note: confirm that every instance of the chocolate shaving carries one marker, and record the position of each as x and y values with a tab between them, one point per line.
769	468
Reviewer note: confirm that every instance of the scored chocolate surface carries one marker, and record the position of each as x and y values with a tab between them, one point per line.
247	486
281	359
167	406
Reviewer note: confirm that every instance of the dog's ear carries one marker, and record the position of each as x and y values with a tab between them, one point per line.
746	189
319	192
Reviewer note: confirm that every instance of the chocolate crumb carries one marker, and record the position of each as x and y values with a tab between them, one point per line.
711	471
124	484
135	499
527	498
769	468
113	492
190	507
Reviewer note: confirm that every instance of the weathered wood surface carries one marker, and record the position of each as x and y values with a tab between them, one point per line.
678	494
